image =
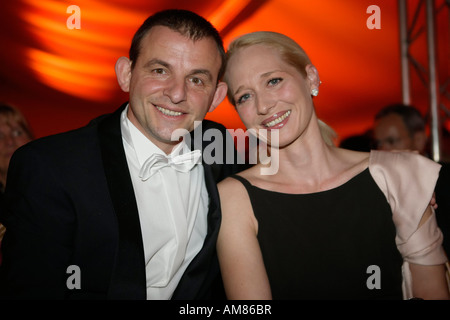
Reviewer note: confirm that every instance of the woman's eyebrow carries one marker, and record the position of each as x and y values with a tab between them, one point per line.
262	76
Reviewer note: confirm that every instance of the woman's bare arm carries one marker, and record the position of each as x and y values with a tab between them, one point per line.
241	262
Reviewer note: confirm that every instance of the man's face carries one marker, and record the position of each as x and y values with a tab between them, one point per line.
390	133
173	83
12	136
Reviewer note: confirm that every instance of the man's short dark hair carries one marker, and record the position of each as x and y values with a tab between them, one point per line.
186	23
411	117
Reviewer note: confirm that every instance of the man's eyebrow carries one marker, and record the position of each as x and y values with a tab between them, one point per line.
203	71
156	62
165	64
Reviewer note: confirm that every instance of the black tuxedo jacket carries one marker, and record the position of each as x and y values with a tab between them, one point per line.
70	202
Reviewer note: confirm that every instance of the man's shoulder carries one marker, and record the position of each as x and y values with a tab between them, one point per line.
67	142
212	124
63	139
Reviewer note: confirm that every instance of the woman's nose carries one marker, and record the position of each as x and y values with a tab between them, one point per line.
264	105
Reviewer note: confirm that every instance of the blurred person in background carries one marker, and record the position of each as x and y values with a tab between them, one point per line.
400	127
14	133
358	142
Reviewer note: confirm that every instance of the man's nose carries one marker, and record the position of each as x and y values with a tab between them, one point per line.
176	90
10	140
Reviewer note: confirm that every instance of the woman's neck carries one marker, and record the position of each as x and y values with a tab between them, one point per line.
309	165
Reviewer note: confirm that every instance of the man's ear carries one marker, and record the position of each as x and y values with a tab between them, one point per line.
219	95
123	73
313	76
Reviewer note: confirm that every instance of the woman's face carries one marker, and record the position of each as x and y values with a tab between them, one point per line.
269	93
12	136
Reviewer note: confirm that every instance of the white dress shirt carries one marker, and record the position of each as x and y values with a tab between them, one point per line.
173	208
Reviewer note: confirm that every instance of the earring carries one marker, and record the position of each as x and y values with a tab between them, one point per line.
315	92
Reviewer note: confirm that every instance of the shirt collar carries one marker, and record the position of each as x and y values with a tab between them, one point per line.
142	146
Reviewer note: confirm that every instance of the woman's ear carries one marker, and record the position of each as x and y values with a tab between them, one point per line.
313	76
123	73
219	95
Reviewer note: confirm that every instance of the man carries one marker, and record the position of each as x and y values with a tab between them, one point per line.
87	217
402	127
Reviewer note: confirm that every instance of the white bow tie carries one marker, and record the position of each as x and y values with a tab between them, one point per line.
183	163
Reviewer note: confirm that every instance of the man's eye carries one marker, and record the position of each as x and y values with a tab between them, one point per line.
274	81
197	81
17	133
159	71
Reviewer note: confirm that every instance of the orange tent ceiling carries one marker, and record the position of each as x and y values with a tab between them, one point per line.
62	77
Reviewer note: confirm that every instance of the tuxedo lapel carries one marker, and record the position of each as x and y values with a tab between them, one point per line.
202	273
128	279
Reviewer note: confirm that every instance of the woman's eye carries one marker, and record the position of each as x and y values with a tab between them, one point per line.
274	81
243	98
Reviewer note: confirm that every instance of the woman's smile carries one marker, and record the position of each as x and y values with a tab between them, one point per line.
278	120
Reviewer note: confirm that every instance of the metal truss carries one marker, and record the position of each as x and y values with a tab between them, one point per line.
410	31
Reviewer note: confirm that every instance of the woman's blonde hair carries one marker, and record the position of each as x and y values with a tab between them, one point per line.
290	51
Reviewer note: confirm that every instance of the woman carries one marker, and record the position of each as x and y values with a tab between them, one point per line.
322	226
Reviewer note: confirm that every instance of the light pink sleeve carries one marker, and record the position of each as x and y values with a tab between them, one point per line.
408	180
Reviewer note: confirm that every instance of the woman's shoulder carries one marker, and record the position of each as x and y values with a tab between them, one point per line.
241	178
408	181
406	178
352	156
233	185
353	162
403	172
235	199
228	184
401	160
402	155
